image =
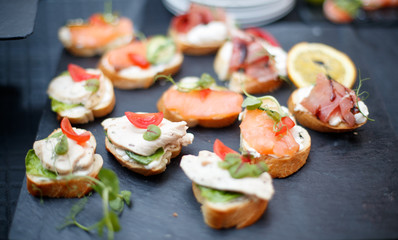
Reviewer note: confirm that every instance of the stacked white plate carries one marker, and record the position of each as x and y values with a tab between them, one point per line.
247	13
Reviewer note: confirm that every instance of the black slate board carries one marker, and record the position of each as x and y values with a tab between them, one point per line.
347	189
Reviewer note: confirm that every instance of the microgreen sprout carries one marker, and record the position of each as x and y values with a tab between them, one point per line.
205	81
365	95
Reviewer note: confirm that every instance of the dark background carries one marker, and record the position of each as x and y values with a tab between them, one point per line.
27	66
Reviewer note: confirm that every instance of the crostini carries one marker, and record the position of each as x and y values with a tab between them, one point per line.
100	33
201	30
58	165
136	64
145	142
328	106
233	191
341	11
199	101
252	61
269	133
81	94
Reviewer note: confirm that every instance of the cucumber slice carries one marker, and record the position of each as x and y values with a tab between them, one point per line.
160	50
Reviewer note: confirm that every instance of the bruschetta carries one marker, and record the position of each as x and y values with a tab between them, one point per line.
145	142
81	94
199	101
233	191
328	106
201	30
100	33
251	62
58	166
269	133
136	64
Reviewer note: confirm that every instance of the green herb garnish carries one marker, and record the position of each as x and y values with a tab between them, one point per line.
152	133
62	146
204	82
58	106
214	195
34	167
238	169
365	95
145	160
161	49
92	85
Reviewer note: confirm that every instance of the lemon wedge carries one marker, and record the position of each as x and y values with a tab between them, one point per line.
306	60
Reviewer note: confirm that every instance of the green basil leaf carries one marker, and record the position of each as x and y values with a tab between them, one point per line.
251	103
214	195
57	106
117	205
92	85
62	146
239	169
152	133
111	182
145	160
34	166
126	195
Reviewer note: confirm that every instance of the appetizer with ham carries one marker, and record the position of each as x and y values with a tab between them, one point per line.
200	31
145	142
199	101
81	94
136	64
270	134
252	61
233	191
328	106
100	33
57	165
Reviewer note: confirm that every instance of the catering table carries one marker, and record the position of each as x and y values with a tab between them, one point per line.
27	66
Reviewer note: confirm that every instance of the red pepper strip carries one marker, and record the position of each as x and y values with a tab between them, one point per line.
264	35
139	60
79	74
258	60
221	150
287	123
143	120
204	93
67	129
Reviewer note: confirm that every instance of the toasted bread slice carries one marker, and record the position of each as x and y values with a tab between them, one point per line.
307	119
238	213
194	49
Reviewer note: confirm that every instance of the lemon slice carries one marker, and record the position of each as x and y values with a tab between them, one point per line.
306	60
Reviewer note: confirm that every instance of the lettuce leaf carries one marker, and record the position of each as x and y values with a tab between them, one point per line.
214	195
34	166
57	106
145	160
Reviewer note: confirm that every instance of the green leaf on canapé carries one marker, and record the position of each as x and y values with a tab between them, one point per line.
152	132
58	106
219	196
239	169
34	167
145	160
92	85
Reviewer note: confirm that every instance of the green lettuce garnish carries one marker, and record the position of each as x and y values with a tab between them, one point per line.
34	167
92	85
152	133
238	169
219	196
58	106
145	160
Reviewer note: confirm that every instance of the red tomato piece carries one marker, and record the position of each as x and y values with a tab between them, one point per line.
264	35
139	60
79	74
143	120
97	19
67	129
204	93
221	150
287	123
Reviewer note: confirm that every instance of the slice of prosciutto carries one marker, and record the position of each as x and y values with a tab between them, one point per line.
329	98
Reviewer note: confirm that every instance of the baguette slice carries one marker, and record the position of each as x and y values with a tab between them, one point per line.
307	119
239	213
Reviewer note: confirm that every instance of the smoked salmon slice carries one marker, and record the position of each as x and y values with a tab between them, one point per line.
119	57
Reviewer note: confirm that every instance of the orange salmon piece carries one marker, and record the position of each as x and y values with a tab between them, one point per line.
215	104
119	57
257	131
99	35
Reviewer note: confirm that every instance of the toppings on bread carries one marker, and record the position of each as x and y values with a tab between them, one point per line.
81	94
269	133
136	64
201	30
199	101
100	33
142	143
328	106
67	151
251	62
232	191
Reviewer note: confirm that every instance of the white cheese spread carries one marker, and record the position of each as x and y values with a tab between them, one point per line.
203	34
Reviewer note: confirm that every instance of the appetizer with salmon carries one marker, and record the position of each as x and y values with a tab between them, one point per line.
200	31
199	101
145	142
233	191
52	162
328	106
81	94
136	64
269	134
251	60
100	33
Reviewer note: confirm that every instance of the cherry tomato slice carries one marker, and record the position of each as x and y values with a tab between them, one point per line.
79	74
143	120
139	60
287	123
221	150
67	129
204	93
264	35
97	19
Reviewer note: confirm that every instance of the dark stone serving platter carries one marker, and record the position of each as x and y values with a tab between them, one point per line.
347	189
